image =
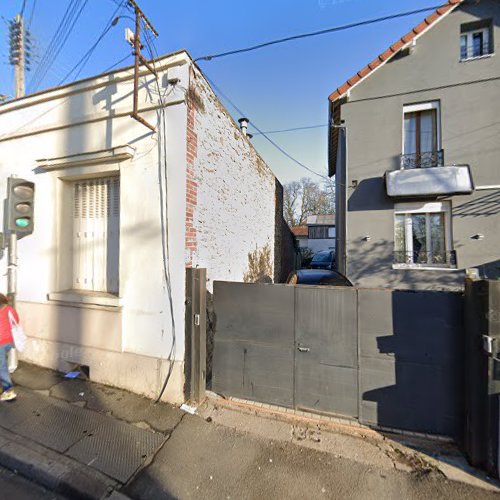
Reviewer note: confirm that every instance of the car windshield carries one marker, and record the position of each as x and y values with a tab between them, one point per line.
322	257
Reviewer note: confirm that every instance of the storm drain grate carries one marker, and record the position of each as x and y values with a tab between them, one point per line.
59	426
117	449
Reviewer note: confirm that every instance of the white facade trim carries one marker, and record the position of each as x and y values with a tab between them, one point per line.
486	188
93	118
422	106
436	206
113	155
93	83
79	297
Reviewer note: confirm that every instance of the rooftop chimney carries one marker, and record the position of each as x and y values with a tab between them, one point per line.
244	125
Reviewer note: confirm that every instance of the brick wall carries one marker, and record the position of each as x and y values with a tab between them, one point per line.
191	185
231	219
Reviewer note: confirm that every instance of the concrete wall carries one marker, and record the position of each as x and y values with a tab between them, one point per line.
127	343
231	197
469	98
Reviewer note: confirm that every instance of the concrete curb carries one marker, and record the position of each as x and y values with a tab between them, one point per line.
52	470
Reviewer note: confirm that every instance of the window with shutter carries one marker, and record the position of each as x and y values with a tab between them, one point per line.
96	226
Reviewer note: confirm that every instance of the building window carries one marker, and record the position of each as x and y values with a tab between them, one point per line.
96	227
423	235
421	136
476	40
319	232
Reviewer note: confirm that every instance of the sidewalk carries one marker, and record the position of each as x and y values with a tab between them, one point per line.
84	440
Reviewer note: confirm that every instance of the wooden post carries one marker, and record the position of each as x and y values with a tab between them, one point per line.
196	334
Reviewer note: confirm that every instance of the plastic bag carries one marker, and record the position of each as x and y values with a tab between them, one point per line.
12	360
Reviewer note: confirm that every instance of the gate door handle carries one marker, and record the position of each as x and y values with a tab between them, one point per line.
303	349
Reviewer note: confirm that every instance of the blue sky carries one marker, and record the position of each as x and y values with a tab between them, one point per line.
280	87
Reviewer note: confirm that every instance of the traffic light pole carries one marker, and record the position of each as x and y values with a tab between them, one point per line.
12	269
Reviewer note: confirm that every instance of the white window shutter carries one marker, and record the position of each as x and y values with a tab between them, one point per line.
96	223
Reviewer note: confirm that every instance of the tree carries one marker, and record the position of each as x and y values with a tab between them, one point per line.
306	197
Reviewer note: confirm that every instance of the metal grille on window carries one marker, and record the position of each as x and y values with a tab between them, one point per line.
96	224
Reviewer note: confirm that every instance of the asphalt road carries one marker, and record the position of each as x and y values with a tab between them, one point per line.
16	487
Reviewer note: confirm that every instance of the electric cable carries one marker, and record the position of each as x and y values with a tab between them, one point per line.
162	165
316	33
263	134
63	42
295	129
86	57
71	16
117	63
32	14
52	44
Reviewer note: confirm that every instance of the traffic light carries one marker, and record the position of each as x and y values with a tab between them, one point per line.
20	205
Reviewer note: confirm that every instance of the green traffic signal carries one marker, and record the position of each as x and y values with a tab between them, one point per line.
22	223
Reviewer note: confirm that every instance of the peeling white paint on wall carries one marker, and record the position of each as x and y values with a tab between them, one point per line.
235	212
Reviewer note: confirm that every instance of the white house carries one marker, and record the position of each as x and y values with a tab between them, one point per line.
121	211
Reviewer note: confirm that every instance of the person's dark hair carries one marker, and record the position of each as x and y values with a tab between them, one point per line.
3	299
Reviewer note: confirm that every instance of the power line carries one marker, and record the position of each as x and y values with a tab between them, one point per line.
162	155
32	14
316	33
85	58
308	127
117	63
263	134
71	16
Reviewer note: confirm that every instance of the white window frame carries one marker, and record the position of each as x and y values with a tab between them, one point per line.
423	106
469	34
425	208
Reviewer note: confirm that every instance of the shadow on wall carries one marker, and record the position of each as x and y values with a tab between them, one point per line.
485	206
490	270
372	262
422	354
369	195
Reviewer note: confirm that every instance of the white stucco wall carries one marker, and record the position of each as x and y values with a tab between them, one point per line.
236	192
90	116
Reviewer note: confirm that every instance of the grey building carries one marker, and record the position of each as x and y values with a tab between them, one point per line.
415	148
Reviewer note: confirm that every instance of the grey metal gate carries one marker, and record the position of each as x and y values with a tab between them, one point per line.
390	358
326	357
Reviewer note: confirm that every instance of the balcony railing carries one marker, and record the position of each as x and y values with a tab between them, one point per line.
422	160
429	259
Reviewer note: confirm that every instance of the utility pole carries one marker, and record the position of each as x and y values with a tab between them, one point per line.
139	59
19	53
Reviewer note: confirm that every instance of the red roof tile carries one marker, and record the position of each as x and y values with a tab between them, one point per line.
300	230
395	47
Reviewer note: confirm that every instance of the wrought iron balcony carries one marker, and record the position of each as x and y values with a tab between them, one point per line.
428	159
426	259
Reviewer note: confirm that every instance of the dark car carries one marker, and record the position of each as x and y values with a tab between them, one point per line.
323	260
317	277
